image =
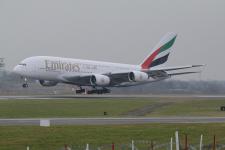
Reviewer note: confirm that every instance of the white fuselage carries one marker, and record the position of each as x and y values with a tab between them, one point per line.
53	68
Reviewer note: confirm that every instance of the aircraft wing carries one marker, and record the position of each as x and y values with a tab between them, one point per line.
122	79
154	76
84	80
77	80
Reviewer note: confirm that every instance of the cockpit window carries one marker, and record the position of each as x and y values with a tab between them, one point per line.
22	64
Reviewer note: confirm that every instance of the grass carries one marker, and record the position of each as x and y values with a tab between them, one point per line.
54	138
116	107
210	108
67	108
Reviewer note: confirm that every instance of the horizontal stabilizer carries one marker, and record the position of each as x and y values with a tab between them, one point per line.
181	73
172	68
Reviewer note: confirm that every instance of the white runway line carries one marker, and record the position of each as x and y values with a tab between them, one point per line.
52	97
111	121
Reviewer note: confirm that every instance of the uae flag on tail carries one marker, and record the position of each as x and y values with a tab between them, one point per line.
160	52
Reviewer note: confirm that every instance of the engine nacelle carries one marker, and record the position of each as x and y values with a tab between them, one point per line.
100	80
48	83
137	76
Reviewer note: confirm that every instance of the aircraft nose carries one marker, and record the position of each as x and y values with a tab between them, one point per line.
17	69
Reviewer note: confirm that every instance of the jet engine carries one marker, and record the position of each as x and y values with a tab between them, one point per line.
47	83
137	76
100	80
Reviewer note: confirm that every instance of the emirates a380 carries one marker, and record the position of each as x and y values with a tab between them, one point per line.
99	76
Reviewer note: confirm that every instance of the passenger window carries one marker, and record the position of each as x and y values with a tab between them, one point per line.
22	64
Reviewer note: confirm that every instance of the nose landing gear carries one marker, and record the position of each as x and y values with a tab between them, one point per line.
25	84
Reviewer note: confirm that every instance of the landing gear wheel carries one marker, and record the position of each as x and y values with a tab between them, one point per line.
99	91
80	91
25	85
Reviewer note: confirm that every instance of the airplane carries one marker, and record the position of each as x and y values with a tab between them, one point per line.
98	75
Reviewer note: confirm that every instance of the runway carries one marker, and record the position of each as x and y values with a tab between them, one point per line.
111	121
52	97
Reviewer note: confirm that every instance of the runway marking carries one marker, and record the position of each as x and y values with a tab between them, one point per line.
49	97
108	121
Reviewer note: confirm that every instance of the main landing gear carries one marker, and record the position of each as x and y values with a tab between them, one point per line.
99	91
93	91
80	91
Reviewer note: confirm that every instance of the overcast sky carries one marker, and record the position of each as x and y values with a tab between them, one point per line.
115	30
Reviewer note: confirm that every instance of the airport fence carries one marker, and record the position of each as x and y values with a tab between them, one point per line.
172	144
164	146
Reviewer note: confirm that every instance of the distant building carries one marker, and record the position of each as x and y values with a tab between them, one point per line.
2	64
2	68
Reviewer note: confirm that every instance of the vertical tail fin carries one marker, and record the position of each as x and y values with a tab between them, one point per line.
160	52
